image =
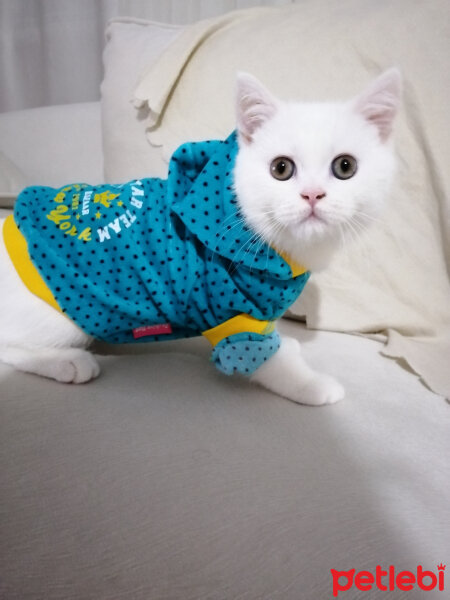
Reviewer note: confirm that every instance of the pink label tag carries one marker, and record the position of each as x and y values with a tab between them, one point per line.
161	329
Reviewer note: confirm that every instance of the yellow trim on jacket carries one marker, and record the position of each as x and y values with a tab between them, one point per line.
17	248
239	324
244	323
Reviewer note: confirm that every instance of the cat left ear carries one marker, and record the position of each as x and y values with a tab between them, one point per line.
380	101
254	106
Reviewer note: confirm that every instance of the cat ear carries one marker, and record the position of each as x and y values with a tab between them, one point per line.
380	101
254	105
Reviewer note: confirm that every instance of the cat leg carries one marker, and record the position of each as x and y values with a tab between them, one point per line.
286	373
36	338
67	365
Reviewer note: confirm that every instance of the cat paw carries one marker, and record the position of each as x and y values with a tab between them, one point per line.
77	367
321	389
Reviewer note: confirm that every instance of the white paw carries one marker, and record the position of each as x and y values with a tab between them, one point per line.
77	367
320	389
291	346
286	373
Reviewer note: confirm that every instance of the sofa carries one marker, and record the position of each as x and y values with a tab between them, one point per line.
165	479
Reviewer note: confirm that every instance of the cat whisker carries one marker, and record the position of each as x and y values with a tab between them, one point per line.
367	216
253	239
258	239
353	230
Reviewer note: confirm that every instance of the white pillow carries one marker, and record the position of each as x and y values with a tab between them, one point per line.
131	46
12	181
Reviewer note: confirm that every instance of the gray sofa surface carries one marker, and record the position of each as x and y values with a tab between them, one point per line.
164	479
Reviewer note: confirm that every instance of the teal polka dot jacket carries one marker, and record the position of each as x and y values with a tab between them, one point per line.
157	259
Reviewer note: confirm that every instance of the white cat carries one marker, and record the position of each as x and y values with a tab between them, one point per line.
303	174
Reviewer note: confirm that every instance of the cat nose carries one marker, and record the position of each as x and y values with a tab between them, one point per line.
313	195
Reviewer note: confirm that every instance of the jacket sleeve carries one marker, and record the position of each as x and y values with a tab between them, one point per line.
242	344
244	352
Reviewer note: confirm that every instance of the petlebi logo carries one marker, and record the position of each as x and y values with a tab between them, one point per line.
388	579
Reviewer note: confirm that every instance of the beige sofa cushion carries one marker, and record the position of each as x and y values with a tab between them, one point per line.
131	46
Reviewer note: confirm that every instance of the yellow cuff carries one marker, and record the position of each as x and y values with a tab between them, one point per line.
17	248
240	324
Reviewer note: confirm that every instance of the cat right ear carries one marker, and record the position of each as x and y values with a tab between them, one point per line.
380	101
254	106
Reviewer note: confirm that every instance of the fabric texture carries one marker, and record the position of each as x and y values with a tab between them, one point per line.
244	353
163	479
148	253
395	278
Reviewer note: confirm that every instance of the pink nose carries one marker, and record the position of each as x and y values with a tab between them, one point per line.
313	195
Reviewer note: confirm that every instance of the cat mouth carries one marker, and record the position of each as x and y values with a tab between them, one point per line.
301	224
313	218
310	224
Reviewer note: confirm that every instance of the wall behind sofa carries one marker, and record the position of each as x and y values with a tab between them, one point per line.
51	50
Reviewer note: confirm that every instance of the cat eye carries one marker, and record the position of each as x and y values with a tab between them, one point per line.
282	168
344	166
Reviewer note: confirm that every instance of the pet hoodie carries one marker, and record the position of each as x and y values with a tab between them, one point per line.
157	259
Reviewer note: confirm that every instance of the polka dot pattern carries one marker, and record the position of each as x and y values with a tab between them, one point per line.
244	352
153	251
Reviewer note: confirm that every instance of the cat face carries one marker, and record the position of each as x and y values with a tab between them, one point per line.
308	174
